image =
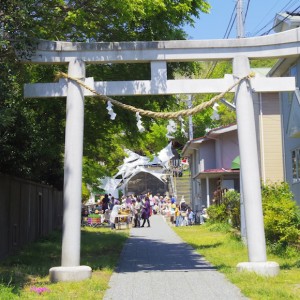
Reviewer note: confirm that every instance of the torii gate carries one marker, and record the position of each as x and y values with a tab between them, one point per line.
76	55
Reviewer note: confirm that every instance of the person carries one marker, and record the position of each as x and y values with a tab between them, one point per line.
105	202
146	212
177	215
114	213
111	203
137	212
203	216
132	210
182	208
173	199
155	209
191	217
172	212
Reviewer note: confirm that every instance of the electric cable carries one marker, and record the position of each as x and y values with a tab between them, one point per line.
226	35
288	16
290	4
247	9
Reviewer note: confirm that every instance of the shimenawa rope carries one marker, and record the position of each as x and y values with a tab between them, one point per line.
153	114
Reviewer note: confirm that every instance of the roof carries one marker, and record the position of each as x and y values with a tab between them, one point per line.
282	22
286	21
221	130
194	144
216	173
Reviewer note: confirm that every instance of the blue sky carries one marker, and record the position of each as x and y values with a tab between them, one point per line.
260	13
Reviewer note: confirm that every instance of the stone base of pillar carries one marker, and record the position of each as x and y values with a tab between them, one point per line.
78	273
268	268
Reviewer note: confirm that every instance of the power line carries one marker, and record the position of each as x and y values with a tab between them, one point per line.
232	14
290	4
246	13
265	16
288	15
226	35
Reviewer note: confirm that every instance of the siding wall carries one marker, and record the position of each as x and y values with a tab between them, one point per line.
229	146
271	138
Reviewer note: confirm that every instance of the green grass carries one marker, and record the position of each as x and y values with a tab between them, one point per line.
100	249
225	251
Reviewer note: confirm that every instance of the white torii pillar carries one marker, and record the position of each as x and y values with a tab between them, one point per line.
251	176
70	269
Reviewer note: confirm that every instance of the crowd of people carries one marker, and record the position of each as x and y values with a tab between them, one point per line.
139	208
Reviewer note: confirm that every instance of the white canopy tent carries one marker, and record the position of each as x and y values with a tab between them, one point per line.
159	175
134	164
110	186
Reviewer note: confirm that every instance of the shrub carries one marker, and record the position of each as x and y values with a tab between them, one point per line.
232	202
228	211
281	215
217	213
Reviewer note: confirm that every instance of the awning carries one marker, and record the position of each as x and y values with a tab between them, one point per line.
236	163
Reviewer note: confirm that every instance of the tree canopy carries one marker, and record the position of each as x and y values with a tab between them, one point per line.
32	130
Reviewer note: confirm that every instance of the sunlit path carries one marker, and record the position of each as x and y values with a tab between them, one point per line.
156	264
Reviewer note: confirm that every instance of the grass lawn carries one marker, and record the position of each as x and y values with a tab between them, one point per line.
225	251
29	269
100	250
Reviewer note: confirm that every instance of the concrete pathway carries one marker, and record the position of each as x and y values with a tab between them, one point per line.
156	264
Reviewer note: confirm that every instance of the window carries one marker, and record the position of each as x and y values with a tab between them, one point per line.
293	128
293	71
296	165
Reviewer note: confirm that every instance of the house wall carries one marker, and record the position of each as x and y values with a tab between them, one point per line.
290	144
207	159
229	149
271	152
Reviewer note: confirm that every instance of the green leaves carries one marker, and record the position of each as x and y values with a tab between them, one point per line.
281	215
32	130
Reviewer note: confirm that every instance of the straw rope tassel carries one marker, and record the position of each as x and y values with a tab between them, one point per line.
153	114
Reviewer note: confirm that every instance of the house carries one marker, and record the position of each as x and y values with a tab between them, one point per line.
210	159
277	119
290	107
211	156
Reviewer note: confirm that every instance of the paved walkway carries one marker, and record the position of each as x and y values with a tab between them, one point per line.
156	264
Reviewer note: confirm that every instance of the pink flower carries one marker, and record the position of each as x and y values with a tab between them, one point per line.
39	290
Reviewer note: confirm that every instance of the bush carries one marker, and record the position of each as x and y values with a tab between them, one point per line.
281	215
217	213
232	202
228	211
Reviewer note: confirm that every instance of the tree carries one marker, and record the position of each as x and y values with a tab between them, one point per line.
32	131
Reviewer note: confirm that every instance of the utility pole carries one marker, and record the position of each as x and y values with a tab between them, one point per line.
240	19
241	34
190	105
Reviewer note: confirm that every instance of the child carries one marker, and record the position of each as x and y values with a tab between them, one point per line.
191	217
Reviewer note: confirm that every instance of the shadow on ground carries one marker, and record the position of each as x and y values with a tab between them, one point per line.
144	254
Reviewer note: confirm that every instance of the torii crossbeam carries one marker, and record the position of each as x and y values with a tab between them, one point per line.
239	51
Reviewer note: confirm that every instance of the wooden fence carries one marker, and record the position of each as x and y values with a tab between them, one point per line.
28	211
